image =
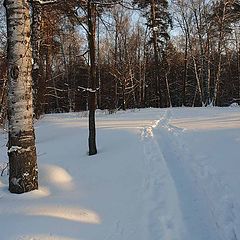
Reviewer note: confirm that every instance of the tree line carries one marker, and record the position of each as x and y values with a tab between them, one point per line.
64	56
137	63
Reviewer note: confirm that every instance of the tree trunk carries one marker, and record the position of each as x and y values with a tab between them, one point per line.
36	72
216	93
168	100
23	171
208	55
185	78
92	93
202	72
99	67
156	54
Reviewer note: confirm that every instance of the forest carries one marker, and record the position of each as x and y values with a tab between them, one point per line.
62	56
119	119
147	54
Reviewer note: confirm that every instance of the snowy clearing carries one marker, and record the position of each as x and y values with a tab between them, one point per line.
160	174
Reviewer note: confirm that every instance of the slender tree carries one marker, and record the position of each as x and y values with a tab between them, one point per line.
23	171
91	19
36	39
159	22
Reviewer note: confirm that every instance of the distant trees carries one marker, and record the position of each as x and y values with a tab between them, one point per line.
57	52
64	63
223	15
122	57
159	22
134	59
207	29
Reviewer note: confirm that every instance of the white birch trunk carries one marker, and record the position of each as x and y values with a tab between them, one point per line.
22	152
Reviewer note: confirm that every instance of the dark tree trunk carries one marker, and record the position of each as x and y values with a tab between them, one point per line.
156	54
185	72
37	66
91	8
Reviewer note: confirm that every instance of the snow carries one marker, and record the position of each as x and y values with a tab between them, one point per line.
160	174
35	66
14	149
19	149
88	89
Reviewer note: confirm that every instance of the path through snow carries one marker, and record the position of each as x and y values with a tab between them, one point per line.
208	209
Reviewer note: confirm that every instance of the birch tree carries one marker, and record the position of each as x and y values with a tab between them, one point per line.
23	171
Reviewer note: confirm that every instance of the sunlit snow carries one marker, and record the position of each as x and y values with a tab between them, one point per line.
160	174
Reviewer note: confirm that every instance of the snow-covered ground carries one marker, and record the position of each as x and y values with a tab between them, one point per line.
160	174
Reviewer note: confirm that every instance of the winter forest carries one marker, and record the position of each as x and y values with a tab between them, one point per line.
119	119
147	54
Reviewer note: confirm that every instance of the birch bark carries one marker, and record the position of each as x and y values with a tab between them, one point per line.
23	172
